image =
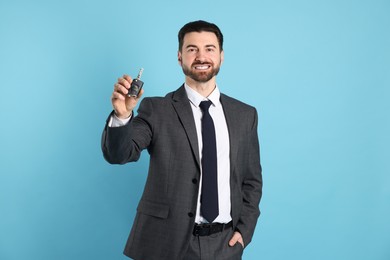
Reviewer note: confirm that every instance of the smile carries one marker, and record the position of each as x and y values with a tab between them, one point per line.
202	67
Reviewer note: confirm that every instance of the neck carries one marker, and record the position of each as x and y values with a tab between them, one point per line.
203	88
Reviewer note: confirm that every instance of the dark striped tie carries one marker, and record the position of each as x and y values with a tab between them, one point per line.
209	196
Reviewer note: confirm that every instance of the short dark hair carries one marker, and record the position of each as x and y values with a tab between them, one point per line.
200	26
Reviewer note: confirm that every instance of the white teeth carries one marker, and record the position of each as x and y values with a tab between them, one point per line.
201	67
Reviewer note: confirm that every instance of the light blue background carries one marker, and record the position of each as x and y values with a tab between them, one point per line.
317	71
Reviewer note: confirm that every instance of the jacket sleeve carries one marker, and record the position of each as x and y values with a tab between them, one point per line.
125	143
251	185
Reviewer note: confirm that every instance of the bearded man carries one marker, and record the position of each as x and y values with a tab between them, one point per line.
201	198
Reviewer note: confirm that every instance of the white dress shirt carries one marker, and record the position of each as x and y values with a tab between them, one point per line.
116	121
223	149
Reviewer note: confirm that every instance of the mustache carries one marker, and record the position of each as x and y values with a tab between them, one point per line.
202	63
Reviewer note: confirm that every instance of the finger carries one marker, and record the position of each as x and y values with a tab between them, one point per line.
127	78
137	97
124	82
120	89
117	95
236	238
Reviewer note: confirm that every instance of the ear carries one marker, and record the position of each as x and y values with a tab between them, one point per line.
179	57
222	56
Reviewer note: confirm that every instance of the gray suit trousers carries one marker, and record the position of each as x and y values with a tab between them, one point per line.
214	247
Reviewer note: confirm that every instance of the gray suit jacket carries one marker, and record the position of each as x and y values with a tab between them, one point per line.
165	215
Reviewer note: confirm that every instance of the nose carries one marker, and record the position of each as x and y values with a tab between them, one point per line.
200	56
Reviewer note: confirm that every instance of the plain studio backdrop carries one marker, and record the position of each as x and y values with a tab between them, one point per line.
317	71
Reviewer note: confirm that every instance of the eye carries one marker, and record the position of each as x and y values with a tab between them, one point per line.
210	49
191	50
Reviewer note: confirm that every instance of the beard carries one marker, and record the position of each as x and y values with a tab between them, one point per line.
201	76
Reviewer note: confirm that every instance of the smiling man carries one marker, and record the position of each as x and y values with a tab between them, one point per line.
200	57
201	198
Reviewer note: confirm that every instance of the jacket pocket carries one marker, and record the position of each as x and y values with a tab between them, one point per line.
153	209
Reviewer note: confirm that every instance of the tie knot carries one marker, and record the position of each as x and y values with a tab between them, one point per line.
204	105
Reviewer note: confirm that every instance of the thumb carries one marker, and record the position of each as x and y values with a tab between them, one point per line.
131	102
236	238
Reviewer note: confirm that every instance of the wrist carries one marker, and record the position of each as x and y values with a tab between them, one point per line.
123	115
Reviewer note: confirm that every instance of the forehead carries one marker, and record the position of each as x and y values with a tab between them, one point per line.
200	39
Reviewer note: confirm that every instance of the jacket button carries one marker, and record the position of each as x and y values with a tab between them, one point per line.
190	214
194	181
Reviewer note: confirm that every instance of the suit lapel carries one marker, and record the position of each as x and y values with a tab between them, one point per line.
183	109
231	121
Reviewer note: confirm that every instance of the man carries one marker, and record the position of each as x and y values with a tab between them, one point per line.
202	194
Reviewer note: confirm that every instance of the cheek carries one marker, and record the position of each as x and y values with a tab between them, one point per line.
186	60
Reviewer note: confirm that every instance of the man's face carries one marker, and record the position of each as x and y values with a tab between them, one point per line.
200	57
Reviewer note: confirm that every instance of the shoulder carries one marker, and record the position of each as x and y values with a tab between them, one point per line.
155	100
158	104
179	93
236	104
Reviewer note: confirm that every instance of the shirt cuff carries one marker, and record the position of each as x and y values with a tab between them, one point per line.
117	122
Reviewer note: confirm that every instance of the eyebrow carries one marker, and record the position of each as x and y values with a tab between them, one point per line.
194	46
191	46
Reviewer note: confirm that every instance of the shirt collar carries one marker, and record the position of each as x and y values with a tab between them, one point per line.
195	98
